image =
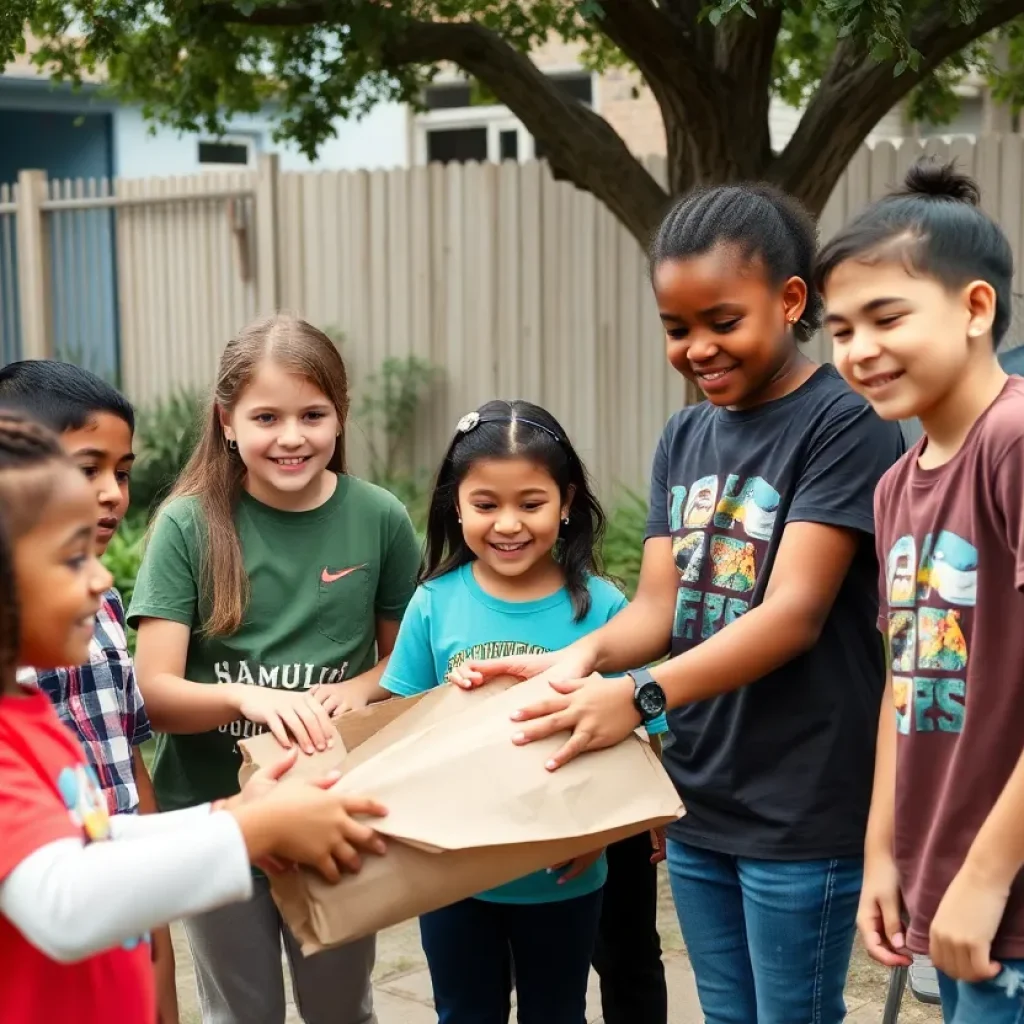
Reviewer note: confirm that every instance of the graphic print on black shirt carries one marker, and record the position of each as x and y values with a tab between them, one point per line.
780	768
718	544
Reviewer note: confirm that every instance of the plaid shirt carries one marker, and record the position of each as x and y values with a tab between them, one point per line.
101	703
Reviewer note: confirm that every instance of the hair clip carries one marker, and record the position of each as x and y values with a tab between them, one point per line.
468	422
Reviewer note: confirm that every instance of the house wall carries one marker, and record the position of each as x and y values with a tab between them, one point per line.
378	141
85	135
65	145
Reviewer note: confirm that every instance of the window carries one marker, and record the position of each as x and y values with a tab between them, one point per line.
225	152
508	142
464	122
445	145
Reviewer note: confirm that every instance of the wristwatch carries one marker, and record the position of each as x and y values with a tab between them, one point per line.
648	696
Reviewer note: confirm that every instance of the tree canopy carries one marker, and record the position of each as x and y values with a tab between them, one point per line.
712	66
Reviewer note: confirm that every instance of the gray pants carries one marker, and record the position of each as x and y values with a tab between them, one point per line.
237	954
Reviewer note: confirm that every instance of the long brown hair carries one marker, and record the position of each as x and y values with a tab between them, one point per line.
214	473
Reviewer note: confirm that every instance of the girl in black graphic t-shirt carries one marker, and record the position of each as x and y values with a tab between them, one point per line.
759	580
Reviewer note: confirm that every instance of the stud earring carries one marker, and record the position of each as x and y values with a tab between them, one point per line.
232	445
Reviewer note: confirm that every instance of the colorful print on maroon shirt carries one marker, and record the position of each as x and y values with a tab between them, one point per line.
951	551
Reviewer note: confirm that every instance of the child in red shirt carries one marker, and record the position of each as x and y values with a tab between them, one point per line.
75	908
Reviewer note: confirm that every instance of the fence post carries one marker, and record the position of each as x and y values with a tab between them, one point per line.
34	267
267	271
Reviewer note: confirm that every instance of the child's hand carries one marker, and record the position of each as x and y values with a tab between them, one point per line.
304	824
557	666
879	917
337	698
964	926
288	714
574	868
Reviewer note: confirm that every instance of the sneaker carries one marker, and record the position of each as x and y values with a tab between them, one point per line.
924	981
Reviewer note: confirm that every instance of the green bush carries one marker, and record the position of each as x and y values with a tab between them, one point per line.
624	540
124	555
165	434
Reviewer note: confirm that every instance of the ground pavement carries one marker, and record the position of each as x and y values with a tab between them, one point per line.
402	985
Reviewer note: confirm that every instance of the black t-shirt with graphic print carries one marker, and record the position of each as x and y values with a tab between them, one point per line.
780	769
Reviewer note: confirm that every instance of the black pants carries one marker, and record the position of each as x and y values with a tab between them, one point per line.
473	947
628	952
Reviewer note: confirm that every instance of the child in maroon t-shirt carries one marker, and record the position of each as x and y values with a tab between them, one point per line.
918	294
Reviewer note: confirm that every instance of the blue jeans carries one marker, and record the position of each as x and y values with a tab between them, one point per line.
1000	1001
769	941
473	947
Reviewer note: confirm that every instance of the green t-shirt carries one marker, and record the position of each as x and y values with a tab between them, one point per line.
318	582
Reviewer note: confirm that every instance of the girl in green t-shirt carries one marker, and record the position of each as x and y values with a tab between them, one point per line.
274	574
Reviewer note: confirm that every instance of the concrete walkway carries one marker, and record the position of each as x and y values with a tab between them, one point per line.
402	984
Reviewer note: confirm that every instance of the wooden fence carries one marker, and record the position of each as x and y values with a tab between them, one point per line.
513	284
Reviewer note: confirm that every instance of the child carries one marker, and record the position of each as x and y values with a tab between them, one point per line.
73	907
758	578
274	574
99	700
511	534
918	289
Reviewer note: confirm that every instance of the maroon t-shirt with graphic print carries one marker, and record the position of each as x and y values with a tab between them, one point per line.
951	551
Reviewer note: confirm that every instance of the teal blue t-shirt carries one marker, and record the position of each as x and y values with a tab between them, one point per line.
451	620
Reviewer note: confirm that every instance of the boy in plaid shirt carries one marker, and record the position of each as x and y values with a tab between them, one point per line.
99	701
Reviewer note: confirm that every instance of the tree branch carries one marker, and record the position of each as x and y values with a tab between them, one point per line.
580	146
832	128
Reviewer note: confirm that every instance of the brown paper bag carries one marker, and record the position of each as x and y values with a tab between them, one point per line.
468	810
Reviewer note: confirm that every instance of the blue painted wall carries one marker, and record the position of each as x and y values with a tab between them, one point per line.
65	145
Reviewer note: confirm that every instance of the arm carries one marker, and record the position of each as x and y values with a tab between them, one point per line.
880	913
176	705
337	698
829	517
62	900
810	567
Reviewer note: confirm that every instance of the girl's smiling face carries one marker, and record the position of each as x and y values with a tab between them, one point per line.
60	581
728	328
286	430
511	513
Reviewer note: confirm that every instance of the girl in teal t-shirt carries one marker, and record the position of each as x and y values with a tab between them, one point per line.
510	567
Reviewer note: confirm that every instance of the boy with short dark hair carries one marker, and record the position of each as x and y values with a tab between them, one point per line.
99	701
918	293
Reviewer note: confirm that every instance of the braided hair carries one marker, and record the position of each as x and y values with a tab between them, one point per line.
763	222
28	454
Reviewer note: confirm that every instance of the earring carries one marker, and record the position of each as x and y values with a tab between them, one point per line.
566	520
232	445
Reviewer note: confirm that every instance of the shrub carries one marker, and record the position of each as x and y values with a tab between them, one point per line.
624	540
124	555
165	435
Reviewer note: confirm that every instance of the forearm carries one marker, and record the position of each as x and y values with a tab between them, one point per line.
367	684
882	818
997	852
143	783
639	635
72	901
760	641
176	705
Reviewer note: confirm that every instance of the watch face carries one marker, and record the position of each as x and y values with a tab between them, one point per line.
651	699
